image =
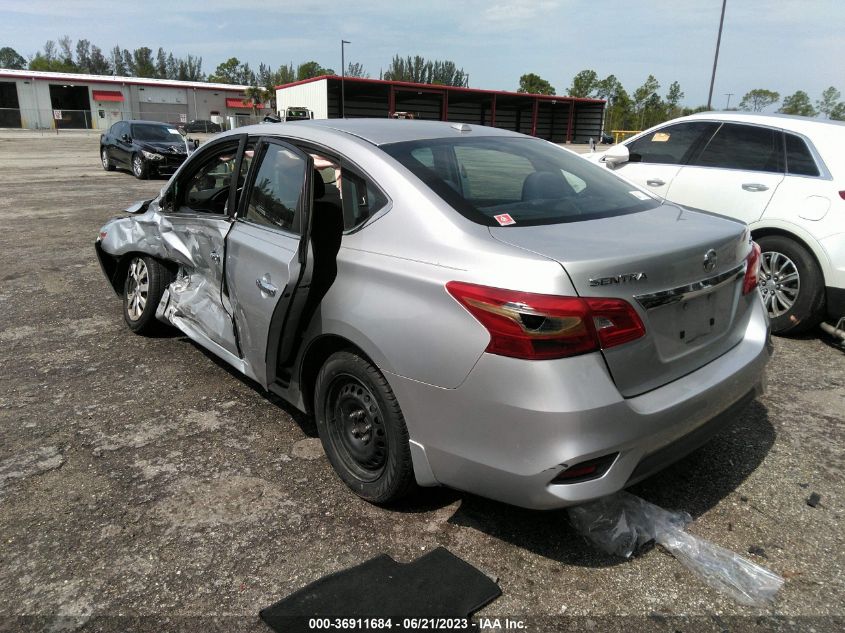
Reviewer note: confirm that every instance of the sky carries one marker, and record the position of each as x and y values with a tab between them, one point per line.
781	45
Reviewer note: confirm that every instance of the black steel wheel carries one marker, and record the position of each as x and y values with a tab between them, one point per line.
362	429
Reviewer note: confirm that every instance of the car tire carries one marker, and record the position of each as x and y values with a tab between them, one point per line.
140	168
106	159
791	285
362	429
145	282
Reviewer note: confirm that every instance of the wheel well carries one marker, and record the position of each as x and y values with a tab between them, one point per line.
780	232
121	267
315	357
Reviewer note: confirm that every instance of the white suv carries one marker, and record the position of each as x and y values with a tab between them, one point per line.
782	175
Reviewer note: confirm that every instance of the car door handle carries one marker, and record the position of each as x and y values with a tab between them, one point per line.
215	256
654	182
265	286
754	186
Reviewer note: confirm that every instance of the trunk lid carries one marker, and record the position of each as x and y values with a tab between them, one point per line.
655	260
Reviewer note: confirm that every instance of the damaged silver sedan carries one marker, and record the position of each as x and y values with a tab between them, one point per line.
456	305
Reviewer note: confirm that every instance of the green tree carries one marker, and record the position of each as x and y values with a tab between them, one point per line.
837	113
232	71
161	64
608	87
356	70
98	64
673	100
829	100
119	68
143	63
257	95
583	84
535	84
646	101
190	69
9	58
758	99
798	103
309	69
418	69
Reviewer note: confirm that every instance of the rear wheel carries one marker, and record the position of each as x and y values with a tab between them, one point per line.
145	282
791	285
106	159
140	169
362	429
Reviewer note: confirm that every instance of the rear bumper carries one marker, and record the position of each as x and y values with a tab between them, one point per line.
514	425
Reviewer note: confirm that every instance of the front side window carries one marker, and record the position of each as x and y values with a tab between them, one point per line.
746	147
524	181
670	145
206	189
274	200
799	160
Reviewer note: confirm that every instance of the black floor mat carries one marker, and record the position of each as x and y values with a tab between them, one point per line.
436	585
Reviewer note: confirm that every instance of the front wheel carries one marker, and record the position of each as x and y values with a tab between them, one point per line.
140	169
791	285
362	429
145	282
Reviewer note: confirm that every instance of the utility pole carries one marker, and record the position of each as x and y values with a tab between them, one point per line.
716	57
343	79
728	104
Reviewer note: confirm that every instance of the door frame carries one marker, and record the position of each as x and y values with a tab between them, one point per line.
281	336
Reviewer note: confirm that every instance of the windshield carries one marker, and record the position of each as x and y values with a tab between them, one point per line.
150	132
524	181
297	114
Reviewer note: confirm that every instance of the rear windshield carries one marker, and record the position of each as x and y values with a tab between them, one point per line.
517	181
148	132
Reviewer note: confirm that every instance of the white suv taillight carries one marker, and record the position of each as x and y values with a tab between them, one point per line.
536	326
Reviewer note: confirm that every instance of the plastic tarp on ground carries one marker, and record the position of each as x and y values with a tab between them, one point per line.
622	523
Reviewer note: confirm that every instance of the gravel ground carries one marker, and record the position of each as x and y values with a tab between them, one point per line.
146	486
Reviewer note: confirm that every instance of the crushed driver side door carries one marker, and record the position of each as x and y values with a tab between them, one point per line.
194	229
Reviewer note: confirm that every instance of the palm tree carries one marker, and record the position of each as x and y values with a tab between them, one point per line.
257	95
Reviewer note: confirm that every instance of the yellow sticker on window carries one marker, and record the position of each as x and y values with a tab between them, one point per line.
660	137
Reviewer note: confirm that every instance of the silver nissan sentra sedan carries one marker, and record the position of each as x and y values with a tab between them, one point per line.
455	304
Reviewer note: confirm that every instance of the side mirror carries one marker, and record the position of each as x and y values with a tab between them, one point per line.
616	155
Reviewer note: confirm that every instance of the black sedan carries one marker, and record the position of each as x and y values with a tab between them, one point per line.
200	125
144	147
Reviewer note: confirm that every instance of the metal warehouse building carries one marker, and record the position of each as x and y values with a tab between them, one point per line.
558	119
39	100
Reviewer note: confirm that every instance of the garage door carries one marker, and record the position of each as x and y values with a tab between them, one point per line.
176	113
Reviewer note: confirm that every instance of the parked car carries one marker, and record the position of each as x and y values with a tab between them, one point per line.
455	304
297	113
144	147
606	139
783	175
201	125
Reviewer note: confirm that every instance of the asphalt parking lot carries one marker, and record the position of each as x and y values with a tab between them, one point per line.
140	477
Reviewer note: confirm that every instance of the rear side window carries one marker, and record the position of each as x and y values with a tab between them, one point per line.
669	145
504	181
745	147
799	160
275	195
361	199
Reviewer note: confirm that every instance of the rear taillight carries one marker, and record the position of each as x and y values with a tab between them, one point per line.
752	267
536	327
842	194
